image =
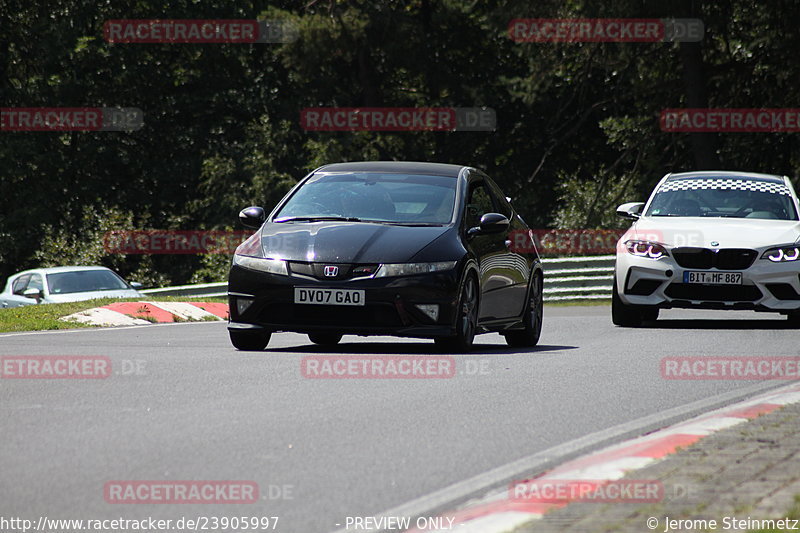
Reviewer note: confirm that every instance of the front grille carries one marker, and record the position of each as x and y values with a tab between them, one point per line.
723	259
716	293
735	258
644	287
343	271
693	257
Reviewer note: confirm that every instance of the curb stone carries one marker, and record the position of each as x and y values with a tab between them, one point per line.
498	513
142	313
747	472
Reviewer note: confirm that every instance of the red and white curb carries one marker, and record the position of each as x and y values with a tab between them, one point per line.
141	313
497	513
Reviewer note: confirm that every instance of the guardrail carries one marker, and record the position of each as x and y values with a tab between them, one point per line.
565	278
202	290
578	278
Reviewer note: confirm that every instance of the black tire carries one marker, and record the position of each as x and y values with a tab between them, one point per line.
250	341
325	339
531	317
794	319
650	315
624	315
467	321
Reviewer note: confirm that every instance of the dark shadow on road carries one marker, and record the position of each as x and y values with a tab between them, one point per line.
718	324
412	348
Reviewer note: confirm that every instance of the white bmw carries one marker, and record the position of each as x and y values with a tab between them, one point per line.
710	240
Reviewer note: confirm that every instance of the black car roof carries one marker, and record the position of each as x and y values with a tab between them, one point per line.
408	167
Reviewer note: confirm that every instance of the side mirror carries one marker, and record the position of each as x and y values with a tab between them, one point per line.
36	294
136	285
631	210
490	223
252	217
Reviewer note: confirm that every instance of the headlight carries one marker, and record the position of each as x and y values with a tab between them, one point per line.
646	249
409	269
251	247
782	254
273	266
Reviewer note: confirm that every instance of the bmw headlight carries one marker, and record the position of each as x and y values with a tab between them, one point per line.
409	269
646	249
272	266
782	254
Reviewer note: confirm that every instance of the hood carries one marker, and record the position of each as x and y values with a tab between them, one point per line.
726	232
346	242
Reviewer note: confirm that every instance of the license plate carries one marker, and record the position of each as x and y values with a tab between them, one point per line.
328	296
713	278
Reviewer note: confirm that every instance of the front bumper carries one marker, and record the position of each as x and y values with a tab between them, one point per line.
766	286
389	307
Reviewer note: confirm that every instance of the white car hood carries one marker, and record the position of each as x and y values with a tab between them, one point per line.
725	232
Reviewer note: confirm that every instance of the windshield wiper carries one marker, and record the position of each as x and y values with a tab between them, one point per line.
412	224
352	219
316	219
399	223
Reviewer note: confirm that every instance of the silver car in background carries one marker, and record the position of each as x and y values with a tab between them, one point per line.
65	284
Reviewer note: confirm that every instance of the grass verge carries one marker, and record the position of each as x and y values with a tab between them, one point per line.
45	317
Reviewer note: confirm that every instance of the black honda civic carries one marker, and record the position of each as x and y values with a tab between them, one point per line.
387	248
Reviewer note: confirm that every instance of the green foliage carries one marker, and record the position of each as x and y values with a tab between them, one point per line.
80	242
577	122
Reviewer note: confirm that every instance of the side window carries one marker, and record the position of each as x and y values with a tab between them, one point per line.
36	282
479	203
503	206
20	284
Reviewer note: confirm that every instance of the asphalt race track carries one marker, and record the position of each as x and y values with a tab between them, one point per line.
182	404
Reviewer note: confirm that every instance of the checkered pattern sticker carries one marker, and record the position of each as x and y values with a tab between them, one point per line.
724	183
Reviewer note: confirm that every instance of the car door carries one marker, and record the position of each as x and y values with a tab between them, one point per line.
14	297
490	250
517	266
36	282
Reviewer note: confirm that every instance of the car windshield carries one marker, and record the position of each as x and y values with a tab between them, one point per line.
723	197
84	281
373	197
